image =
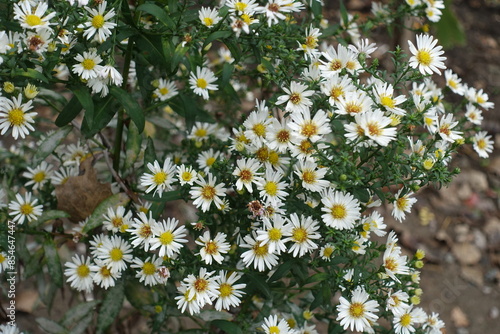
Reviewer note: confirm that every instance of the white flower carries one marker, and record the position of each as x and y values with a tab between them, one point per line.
373	124
117	221
38	41
186	175
302	232
259	253
88	65
405	320
433	324
229	293
473	114
203	287
149	270
168	237
38	176
24	208
207	158
247	173
202	82
306	127
209	17
207	192
445	126
272	326
30	17
115	252
384	95
336	86
160	179
279	135
13	113
310	46
271	186
141	230
201	131
393	262
454	82
479	97
274	10
103	276
396	301
341	210
273	232
363	47
186	299
353	102
426	56
79	274
99	24
483	144
256	124
213	248
338	60
402	204
297	98
166	90
311	175
63	174
358	313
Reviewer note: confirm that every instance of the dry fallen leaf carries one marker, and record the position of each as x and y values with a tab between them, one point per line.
459	318
80	195
466	253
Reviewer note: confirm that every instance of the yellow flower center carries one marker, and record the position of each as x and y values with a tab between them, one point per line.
210	161
274	234
309	129
211	247
116	254
306	147
274	158
26	209
336	92
246	175
148	268
164	91
309	176
338	211
117	221
260	250
247	18
424	57
166	238
88	64
83	270
352	108
295	98
208	21
208	192
274	330
200	284
160	177
39	177
33	20
225	290
240	6
105	272
271	188
201	83
299	234
387	101
2	258
283	136
145	231
328	252
481	144
186	176
16	117
262	154
405	320
390	264
200	132
374	129
402	203
356	310
480	100
259	129
98	21
335	65
311	42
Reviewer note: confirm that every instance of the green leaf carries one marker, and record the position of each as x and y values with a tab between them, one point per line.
53	262
34	263
138	295
105	109
150	152
48	145
96	217
234	47
258	284
216	35
83	324
132	145
75	314
82	93
318	277
159	13
281	271
343	13
47	216
50	326
211	315
227	71
190	111
130	105
165	197
227	326
30	73
69	112
152	49
111	306
449	31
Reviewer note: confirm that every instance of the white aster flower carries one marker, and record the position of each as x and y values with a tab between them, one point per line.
99	24
186	175
311	175
141	230
273	232
358	313
341	210
297	98
473	114
160	179
312	128
212	249
168	237
115	252
149	272
202	130
454	82
397	301
103	276
117	221
33	18
444	128
247	173
207	192
203	287
384	92
209	16
187	300
166	90
38	176
405	320
88	65
229	292
24	208
258	254
326	251
402	204
202	82
302	233
207	158
482	144
336	86
272	326
79	274
426	56
271	187
13	113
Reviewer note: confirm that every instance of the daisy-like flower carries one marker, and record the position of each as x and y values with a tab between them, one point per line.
444	127
203	286
337	86
311	175
13	113
297	98
302	232
38	41
394	263
201	131
397	301
229	292
99	24
373	223
272	326
79	274
141	230
187	300
358	313
402	204
431	120
149	270
405	320
453	82
4	263
483	144
312	128
24	208
10	329
279	135
256	124
207	192
353	103
341	210
310	45
239	7
426	56
433	324
166	90
33	18
275	9
186	175
115	252
168	237
160	179
38	176
212	249
203	81
117	221
259	253
384	92
88	65
247	173
373	125
103	276
473	114
207	158
271	186
209	17
479	97
273	232
363	47
326	251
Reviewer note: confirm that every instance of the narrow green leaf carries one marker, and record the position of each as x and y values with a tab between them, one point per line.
78	312
227	71
281	271
159	13
178	55
34	263
111	306
150	152
449	31
83	324
317	301
96	217
130	105
227	326
105	109
165	197
50	326
69	112
138	295
132	145
212	315
30	73
83	95
48	145
318	277
343	13
53	262
190	111
259	284
47	216
152	49
220	34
